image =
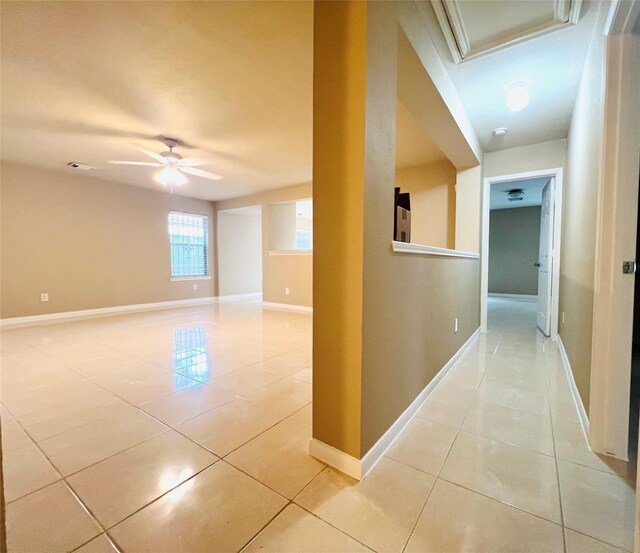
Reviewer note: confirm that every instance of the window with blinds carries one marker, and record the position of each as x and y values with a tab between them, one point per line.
189	237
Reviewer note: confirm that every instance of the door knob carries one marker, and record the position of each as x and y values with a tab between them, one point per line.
536	264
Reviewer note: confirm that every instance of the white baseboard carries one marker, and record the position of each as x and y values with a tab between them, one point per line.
359	468
582	413
335	458
287	307
239	297
517	297
34	320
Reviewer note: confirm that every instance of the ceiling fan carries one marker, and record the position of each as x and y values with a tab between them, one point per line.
175	167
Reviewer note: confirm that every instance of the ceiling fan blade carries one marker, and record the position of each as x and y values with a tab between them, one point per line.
201	173
146	163
155	156
194	161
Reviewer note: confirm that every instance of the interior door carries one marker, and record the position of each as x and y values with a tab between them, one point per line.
545	259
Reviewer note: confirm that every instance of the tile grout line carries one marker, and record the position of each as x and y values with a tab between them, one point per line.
561	525
437	476
138	408
293	502
63	480
219	458
555	455
106	530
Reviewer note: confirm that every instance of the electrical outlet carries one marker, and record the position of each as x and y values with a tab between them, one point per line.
195	286
286	291
455	326
44	297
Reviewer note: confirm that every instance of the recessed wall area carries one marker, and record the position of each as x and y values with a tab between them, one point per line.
240	251
286	269
429	177
433	202
291	226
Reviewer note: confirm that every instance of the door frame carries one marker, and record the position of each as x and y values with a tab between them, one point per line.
556	172
617	209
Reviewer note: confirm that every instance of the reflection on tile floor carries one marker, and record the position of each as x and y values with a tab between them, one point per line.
186	431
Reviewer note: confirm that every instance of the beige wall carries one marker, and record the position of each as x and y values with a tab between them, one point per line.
239	253
579	220
544	155
468	209
514	246
433	202
282	226
86	242
383	322
280	271
294	272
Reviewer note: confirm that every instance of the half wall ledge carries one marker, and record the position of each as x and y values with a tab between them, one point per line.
420	249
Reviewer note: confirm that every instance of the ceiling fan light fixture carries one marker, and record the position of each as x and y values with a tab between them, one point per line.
175	168
518	96
171	176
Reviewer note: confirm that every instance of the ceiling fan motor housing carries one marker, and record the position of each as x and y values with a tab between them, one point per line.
171	157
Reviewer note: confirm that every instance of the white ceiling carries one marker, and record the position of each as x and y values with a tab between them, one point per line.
550	64
532	193
81	80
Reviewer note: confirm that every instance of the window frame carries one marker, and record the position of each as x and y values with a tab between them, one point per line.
207	275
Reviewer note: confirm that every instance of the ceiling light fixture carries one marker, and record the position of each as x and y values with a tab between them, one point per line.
515	195
518	96
500	131
171	176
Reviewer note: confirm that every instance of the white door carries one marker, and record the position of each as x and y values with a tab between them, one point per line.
545	259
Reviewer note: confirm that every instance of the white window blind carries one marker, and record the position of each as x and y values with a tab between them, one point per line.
189	237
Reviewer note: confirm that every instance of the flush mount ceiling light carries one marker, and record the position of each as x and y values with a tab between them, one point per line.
518	96
515	195
500	131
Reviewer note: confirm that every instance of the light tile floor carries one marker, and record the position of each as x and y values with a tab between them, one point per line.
187	430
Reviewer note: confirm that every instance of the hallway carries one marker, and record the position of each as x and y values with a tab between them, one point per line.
99	443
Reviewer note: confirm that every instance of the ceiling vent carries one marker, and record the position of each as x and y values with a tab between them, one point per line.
80	166
515	195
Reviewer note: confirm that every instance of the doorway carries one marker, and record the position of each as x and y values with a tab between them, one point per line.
239	240
514	239
634	392
534	188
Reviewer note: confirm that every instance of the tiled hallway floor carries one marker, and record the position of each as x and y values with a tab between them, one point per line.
187	431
